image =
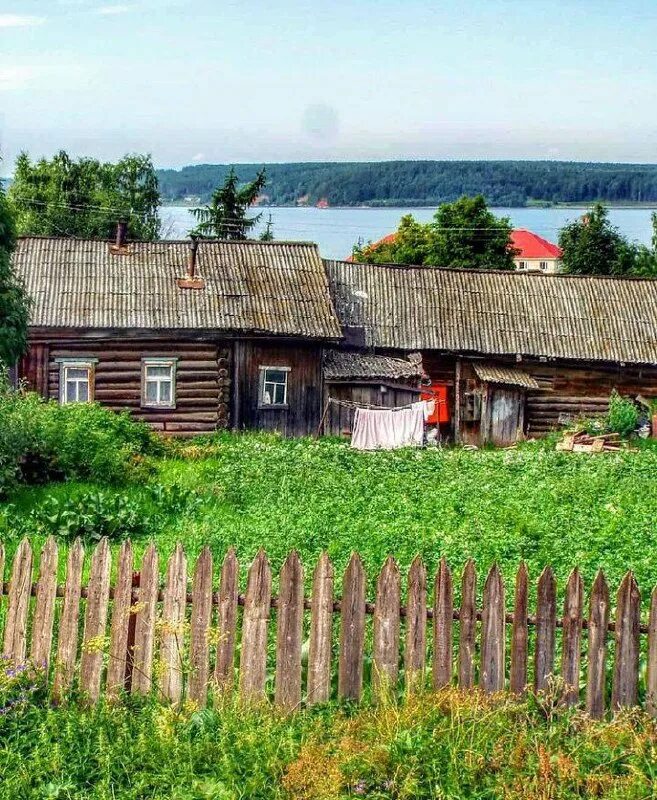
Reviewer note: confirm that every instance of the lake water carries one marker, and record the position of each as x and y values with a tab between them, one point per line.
336	230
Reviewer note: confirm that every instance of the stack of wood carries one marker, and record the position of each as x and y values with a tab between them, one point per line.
582	442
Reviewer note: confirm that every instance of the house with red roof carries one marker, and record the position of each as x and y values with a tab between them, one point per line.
533	253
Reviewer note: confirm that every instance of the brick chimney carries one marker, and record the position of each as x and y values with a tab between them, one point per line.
191	281
120	245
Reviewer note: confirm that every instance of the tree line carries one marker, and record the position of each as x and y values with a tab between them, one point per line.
412	183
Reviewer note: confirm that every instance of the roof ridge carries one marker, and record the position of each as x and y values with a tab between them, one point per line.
96	239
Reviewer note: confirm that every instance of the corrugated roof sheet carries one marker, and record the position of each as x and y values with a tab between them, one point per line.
498	313
509	376
276	288
342	365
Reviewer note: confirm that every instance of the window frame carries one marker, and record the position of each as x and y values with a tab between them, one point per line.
543	265
172	364
76	363
262	382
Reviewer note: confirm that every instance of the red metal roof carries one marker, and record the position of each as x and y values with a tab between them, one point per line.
530	245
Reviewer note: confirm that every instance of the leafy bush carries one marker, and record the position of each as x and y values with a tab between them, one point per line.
42	441
623	415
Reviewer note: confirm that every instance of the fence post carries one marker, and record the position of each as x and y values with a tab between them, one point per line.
352	631
20	588
95	622
386	630
116	668
467	625
199	647
172	645
416	626
572	636
253	656
67	644
598	621
626	656
546	621
227	621
651	672
321	627
44	610
493	639
519	633
289	633
443	613
142	654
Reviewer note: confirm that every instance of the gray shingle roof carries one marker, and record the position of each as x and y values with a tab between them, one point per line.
275	288
508	376
342	365
498	313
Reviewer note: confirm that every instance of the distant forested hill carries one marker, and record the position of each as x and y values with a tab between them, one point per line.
504	183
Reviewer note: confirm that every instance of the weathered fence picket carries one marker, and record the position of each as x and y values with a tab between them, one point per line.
178	615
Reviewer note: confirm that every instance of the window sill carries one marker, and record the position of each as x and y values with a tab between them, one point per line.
153	407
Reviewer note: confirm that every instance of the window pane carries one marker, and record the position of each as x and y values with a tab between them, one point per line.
279	394
151	391
158	372
165	392
75	373
71	395
275	375
266	397
83	391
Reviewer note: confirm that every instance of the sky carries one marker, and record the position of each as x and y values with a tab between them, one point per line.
211	81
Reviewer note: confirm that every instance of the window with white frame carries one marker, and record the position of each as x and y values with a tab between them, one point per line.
543	265
76	380
158	382
522	265
273	386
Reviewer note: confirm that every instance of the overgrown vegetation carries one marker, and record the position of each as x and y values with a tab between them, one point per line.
43	441
446	745
258	490
13	299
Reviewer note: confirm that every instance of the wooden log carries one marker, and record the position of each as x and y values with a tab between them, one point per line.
352	631
493	619
289	634
386	630
468	626
416	626
443	616
546	622
227	621
67	644
253	656
519	633
172	646
572	637
626	656
95	622
321	629
20	588
118	654
201	622
651	670
597	634
146	608
44	610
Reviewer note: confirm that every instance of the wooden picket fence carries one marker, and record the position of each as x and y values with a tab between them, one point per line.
162	637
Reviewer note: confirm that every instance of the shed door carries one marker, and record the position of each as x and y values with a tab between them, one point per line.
507	414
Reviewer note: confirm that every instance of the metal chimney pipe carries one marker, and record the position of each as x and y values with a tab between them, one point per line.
191	261
121	233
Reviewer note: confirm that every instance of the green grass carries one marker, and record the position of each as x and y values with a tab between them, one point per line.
445	745
252	491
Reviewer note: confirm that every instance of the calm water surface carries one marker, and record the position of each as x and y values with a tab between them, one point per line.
336	230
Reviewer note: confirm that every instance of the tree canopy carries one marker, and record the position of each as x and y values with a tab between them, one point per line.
13	300
85	197
593	246
463	234
225	217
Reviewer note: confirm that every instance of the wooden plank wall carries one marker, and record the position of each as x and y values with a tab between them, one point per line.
339	420
202	379
184	643
302	415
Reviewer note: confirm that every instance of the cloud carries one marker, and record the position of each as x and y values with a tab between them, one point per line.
20	21
114	10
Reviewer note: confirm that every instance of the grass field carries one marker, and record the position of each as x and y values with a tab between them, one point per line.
252	491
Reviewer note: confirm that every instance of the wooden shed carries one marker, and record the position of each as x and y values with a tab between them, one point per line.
519	353
363	379
188	337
